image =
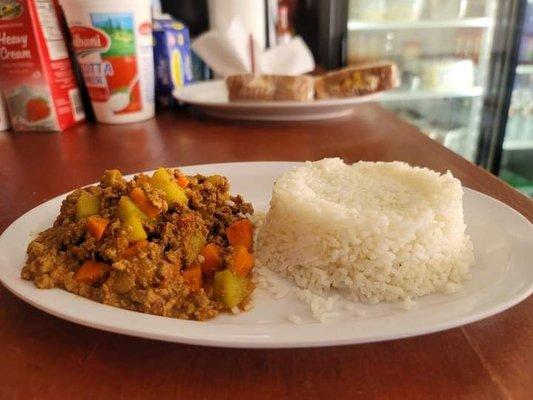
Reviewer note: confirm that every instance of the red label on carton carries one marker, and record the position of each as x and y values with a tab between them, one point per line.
87	40
36	74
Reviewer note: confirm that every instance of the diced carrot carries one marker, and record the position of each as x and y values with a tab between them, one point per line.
212	259
143	202
96	226
193	277
240	233
241	261
134	249
91	271
183	181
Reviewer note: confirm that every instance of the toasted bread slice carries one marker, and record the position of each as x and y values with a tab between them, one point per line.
250	87
357	80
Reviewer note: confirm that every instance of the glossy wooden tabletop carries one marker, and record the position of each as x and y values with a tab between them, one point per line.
43	357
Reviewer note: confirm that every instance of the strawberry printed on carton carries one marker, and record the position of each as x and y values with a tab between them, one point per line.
30	108
37	109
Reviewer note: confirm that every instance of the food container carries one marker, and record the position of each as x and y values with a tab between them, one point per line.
113	45
172	58
370	11
386	10
36	74
4	118
447	75
403	10
449	9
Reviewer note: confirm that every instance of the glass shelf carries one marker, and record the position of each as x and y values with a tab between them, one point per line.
524	69
396	95
517	144
482	22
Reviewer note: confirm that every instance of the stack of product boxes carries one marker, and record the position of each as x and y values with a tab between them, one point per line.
36	75
38	80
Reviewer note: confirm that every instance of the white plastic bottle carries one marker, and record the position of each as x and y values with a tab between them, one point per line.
113	45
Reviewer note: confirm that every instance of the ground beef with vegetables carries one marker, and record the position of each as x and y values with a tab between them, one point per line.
166	244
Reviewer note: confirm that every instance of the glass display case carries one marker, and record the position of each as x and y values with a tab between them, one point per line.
443	53
517	152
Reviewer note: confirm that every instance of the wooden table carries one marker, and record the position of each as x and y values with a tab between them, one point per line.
42	357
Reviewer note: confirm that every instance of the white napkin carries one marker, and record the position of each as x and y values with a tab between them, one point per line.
229	53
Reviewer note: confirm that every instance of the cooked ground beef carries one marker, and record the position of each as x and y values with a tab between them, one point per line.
151	274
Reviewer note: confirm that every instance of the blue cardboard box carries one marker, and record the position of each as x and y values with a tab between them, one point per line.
172	59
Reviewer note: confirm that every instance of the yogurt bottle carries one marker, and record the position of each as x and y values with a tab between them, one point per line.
112	40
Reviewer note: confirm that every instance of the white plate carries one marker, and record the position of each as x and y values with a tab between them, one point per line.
502	277
212	98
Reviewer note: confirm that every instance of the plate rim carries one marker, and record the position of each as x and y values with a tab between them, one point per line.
230	341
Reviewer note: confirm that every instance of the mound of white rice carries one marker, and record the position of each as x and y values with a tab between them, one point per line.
375	231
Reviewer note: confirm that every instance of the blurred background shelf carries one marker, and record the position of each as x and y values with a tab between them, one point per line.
443	53
524	69
510	145
481	22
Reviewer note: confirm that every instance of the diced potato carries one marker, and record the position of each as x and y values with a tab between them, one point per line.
173	191
229	289
136	231
175	194
194	245
132	218
127	208
161	176
87	204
